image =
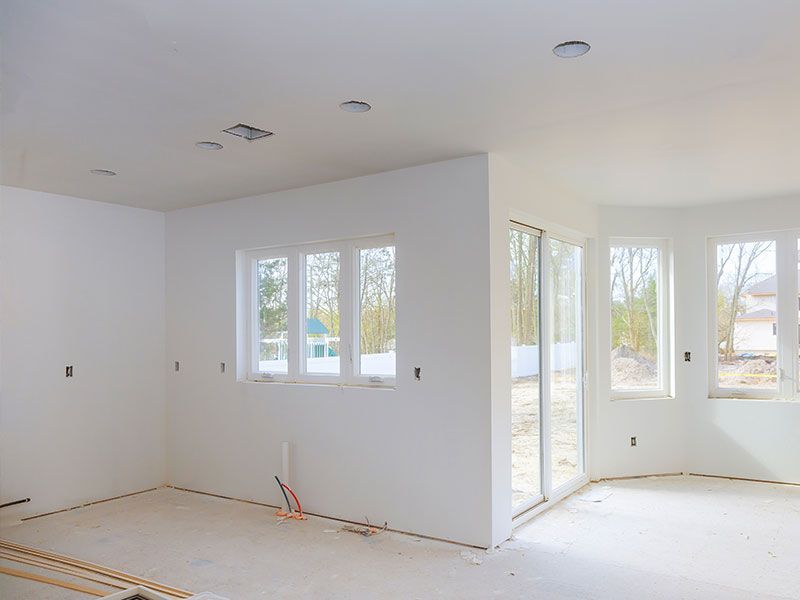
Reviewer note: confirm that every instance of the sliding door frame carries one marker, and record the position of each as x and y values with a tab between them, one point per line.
543	458
550	496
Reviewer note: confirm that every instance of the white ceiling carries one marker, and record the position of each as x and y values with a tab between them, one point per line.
679	102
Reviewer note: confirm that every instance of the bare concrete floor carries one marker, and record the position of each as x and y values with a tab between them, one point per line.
669	538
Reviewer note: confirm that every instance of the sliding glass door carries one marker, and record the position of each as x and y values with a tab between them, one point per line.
547	437
526	454
566	361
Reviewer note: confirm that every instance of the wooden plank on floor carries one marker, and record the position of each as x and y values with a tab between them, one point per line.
95	568
50	581
61	569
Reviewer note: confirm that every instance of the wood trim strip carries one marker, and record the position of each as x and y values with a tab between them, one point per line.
100	569
51	581
58	569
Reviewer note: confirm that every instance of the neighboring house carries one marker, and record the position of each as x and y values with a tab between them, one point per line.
756	329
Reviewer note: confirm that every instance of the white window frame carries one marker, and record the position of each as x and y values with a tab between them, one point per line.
664	307
355	287
786	264
349	312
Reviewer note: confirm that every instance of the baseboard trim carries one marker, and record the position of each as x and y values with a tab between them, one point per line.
792	483
328	517
626	477
92	503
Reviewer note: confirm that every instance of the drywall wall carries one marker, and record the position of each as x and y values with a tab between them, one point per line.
753	439
416	456
82	285
520	194
741	438
657	423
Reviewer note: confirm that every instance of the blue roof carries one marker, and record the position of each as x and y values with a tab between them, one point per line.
315	326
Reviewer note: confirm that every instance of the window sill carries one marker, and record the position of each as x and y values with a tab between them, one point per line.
750	399
646	398
363	386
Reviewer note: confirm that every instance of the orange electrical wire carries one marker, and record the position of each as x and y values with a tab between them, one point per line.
292	514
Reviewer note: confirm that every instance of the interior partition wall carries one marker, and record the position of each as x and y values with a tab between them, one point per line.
547	366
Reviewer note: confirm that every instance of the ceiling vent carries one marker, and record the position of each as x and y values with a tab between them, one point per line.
247	132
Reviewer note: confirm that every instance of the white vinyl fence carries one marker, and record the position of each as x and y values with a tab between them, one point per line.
525	359
383	364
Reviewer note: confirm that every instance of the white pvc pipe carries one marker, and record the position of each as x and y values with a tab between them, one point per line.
285	463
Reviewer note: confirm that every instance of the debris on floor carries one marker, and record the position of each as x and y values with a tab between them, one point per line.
366	531
596	494
470	557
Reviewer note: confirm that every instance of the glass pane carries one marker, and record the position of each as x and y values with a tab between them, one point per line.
377	302
322	313
566	363
525	397
634	318
273	313
747	318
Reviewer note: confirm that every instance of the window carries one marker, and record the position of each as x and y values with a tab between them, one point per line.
322	313
377	306
273	314
323	286
753	316
640	349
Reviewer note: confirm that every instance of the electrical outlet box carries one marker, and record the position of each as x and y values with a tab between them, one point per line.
633	441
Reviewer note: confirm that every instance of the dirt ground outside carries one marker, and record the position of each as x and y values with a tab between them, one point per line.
758	372
525	443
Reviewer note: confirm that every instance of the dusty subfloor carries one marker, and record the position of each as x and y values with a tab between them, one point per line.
668	538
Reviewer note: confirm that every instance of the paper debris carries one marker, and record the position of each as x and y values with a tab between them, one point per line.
470	557
596	494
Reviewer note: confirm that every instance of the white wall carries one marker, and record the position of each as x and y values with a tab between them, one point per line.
418	456
740	438
658	424
518	193
692	433
82	285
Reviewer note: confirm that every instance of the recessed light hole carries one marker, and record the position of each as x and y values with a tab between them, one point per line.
355	106
572	49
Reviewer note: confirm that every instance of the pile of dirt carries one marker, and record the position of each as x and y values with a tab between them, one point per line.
755	365
631	369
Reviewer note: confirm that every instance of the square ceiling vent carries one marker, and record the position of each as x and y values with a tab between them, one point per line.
248	132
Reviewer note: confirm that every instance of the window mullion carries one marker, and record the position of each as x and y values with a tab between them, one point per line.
296	310
346	308
545	343
787	314
793	329
252	317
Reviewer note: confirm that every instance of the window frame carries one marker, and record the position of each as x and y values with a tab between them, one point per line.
349	312
355	288
302	325
664	304
253	333
786	263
